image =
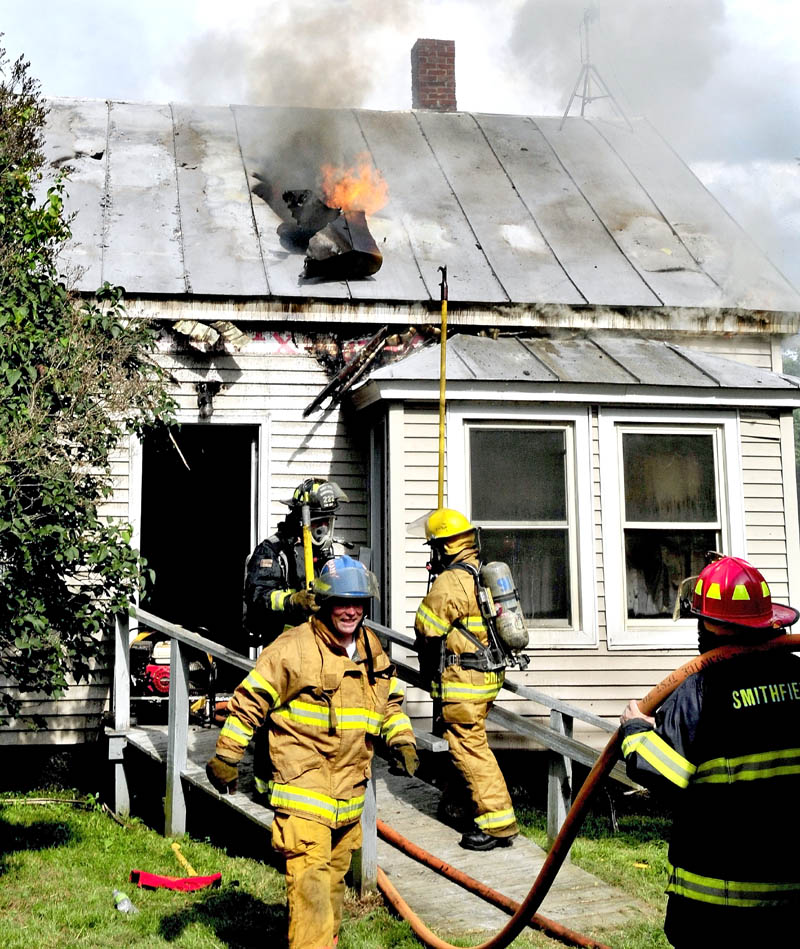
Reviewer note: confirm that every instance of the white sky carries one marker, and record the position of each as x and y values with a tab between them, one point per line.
719	78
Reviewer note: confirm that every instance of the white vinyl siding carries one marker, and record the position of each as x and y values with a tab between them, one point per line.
270	379
260	381
600	679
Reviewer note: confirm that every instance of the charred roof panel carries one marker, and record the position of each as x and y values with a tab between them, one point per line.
283	149
400	277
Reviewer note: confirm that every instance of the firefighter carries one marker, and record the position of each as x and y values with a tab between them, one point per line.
452	641
726	745
275	589
325	689
276	594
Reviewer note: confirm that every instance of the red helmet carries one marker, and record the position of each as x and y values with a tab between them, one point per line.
731	590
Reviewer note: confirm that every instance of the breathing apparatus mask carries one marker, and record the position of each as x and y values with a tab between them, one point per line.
447	533
322	499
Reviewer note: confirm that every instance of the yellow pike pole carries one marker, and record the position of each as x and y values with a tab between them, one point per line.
442	385
308	552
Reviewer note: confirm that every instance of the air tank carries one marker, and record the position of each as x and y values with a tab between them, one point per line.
509	620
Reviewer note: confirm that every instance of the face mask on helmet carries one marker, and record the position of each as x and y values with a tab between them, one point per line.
322	531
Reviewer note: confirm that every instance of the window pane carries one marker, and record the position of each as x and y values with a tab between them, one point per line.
656	562
669	477
517	474
539	563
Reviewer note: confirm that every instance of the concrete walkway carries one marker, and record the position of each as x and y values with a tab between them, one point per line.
577	899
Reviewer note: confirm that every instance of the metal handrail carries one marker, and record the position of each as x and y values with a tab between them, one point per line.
558	739
524	691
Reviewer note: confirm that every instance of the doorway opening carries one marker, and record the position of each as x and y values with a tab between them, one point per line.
197	526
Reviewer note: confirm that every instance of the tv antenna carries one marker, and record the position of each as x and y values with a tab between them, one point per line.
589	77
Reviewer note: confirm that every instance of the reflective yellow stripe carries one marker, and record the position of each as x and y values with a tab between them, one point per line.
396	690
258	685
428	622
278	598
713	592
729	892
237	731
318	716
475	624
767	764
312	802
397	723
460	691
496	819
661	756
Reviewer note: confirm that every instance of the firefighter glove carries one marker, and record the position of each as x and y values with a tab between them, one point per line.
223	775
304	600
404	759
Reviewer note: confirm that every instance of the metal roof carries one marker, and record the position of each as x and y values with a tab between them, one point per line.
179	199
602	367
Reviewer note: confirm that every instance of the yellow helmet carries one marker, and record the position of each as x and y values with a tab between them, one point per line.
445	523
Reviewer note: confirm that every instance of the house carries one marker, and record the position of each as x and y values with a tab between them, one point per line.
615	401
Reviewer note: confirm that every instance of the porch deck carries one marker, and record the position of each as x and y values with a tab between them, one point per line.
577	899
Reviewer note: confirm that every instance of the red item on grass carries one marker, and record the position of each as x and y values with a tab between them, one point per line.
156	880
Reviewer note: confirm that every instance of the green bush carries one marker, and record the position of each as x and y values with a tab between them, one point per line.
76	376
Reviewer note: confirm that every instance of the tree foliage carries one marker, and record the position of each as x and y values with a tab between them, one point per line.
76	377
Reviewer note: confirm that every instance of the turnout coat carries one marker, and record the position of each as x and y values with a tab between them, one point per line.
727	746
450	608
323	711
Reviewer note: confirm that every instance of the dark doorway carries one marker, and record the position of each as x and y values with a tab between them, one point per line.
196	526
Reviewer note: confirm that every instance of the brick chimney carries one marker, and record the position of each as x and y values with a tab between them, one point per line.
433	75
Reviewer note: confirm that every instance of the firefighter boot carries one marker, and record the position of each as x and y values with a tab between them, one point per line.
478	840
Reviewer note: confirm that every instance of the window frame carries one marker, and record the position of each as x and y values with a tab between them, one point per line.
623	632
578	479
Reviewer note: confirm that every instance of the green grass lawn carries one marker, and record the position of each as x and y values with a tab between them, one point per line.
60	864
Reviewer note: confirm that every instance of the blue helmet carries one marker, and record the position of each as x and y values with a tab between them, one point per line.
345	578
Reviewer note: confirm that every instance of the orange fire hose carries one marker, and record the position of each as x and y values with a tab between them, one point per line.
574	818
545	924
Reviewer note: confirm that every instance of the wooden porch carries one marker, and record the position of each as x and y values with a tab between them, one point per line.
577	899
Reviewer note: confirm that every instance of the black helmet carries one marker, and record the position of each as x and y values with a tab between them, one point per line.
321	496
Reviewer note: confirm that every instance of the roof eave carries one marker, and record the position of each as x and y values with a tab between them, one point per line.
406	390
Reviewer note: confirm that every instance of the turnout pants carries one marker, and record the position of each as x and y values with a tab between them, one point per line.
464	727
317	859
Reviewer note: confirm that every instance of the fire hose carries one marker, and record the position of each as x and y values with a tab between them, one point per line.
546	925
569	830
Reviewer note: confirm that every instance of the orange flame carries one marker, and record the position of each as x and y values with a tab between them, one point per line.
358	188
